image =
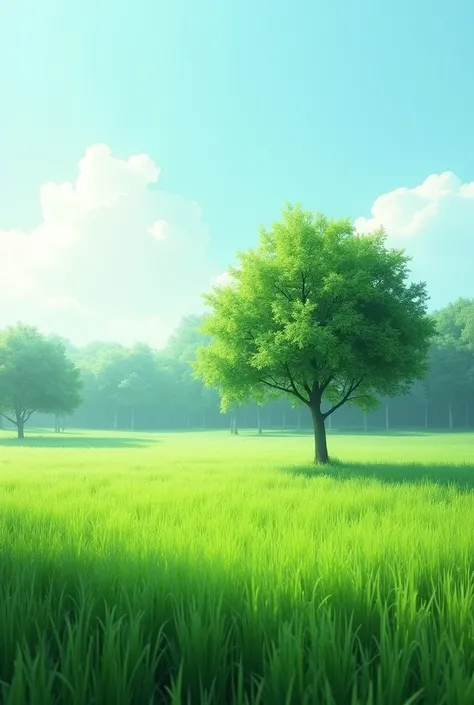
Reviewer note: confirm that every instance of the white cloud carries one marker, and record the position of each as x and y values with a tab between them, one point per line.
434	223
112	255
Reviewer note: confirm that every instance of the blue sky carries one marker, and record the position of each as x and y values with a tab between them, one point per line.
242	105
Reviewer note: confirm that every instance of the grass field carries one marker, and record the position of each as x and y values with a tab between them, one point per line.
205	568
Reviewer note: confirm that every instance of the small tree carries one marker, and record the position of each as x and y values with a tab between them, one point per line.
319	313
35	375
450	379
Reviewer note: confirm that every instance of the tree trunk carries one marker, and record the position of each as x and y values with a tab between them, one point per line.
259	421
466	414
299	420
387	418
283	419
132	418
450	416
236	431
320	443
365	422
63	423
329	422
115	420
426	415
56	423
20	425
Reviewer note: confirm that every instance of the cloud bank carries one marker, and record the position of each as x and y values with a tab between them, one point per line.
116	258
113	257
434	223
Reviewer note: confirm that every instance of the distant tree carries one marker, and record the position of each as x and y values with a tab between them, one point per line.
186	339
35	375
110	366
139	386
450	379
192	398
446	380
319	313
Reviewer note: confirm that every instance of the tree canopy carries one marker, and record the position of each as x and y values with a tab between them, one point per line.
319	313
35	375
450	376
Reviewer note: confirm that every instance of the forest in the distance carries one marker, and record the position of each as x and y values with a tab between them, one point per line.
139	388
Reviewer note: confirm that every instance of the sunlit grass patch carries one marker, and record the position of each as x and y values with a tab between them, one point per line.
229	570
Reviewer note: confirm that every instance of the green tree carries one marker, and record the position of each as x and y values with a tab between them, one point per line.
110	368
186	339
319	313
139	385
35	375
450	380
192	397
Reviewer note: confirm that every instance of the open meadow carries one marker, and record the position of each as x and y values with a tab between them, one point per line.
195	568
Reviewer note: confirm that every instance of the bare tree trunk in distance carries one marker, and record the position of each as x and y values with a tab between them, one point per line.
321	456
450	416
115	420
426	415
365	422
387	417
259	420
466	414
132	419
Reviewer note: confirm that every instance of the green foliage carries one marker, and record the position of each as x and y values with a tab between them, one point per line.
246	581
186	339
180	354
35	375
139	379
451	359
319	313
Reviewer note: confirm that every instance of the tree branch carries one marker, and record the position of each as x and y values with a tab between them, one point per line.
346	393
287	390
274	386
359	396
293	384
8	418
304	292
281	291
326	383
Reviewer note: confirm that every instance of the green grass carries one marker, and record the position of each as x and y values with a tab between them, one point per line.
204	568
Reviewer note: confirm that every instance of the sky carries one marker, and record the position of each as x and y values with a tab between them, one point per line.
142	144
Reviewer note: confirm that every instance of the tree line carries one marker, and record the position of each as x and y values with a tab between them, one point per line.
138	388
46	380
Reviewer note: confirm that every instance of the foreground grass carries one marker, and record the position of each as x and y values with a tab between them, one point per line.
202	568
